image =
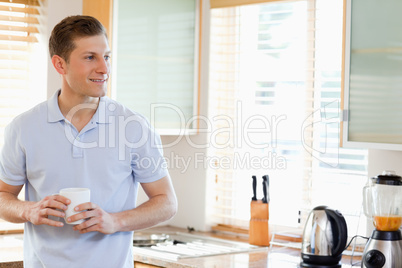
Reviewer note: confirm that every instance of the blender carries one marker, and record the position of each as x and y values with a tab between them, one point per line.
382	202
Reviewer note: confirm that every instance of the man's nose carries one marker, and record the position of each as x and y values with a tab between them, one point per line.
103	66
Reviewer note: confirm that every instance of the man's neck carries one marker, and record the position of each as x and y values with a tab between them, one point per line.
77	109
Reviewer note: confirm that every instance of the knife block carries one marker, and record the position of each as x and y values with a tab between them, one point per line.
259	228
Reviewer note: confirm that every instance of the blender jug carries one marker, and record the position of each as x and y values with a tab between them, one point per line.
382	199
382	204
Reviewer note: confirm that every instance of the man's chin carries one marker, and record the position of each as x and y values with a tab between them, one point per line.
103	94
100	93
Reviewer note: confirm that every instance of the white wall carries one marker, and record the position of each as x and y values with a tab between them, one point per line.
58	10
380	160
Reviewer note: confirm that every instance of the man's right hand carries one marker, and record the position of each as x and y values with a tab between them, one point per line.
49	206
17	211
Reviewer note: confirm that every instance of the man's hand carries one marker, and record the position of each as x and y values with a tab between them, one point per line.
98	220
17	211
161	206
49	206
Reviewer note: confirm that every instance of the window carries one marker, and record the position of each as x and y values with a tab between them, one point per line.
23	59
157	58
275	92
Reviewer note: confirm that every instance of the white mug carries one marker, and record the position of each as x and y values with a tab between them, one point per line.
77	196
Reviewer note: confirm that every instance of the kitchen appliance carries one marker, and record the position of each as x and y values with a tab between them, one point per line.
324	238
382	202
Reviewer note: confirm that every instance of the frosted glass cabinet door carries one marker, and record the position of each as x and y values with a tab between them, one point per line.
156	59
373	74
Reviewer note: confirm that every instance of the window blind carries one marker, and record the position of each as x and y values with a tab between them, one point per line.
156	48
19	30
276	68
22	62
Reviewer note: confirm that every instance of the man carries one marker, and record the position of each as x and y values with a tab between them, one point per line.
80	138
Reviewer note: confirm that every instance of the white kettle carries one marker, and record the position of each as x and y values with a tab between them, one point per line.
324	238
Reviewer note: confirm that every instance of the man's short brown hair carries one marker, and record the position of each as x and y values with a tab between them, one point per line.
61	41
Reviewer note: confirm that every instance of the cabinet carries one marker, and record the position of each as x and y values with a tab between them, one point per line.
143	265
155	60
372	74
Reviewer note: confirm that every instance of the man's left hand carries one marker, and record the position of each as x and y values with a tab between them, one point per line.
97	220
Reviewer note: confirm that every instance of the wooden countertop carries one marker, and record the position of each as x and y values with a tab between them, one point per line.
11	228
11	255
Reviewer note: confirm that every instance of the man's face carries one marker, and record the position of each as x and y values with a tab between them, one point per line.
89	67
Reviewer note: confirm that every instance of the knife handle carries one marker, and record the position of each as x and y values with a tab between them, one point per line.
266	178
254	188
265	185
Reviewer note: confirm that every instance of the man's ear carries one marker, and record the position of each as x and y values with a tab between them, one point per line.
59	64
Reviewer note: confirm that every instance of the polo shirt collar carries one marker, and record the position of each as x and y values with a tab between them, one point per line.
54	114
102	112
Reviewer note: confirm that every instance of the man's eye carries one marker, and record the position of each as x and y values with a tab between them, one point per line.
107	57
90	57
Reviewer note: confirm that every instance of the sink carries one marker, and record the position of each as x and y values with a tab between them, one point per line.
184	245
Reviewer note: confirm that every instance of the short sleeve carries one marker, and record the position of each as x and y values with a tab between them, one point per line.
12	157
147	161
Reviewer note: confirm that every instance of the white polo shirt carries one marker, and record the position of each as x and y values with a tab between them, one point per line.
114	152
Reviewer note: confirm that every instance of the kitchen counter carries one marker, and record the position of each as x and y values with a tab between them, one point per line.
11	255
252	259
276	256
11	252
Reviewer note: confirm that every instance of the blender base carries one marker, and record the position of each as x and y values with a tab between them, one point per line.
384	249
309	265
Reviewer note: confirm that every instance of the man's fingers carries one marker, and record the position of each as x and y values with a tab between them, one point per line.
90	225
43	218
52	222
83	215
56	202
61	199
85	206
52	212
